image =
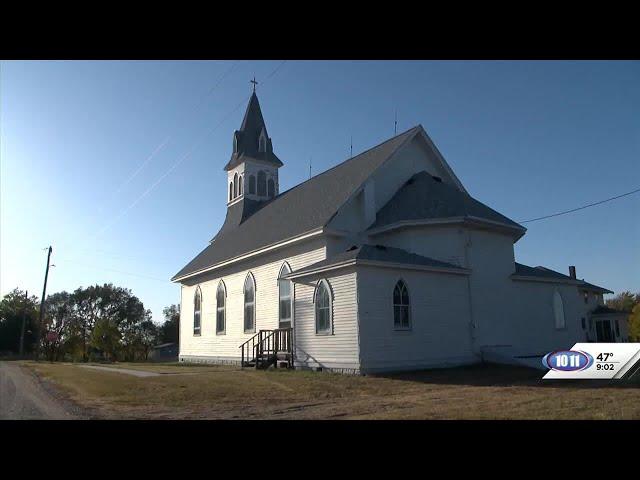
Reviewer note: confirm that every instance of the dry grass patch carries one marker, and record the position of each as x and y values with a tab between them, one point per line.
220	392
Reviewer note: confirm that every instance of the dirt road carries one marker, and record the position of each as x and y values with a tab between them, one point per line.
23	397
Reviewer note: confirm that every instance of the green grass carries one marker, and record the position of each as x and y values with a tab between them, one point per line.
478	392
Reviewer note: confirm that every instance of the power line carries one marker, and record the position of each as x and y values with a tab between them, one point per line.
581	208
182	159
168	137
113	270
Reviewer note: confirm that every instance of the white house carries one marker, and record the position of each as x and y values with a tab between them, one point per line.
383	262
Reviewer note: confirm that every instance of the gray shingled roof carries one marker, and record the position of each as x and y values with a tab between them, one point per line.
543	272
425	197
378	253
591	286
305	207
540	272
602	309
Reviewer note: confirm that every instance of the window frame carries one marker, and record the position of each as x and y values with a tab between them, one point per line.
235	185
240	188
252	281
284	270
323	283
271	188
261	175
556	294
223	331
197	331
409	326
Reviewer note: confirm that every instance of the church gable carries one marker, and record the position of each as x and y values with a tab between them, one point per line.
416	155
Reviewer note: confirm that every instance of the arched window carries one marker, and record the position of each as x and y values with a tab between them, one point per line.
284	295
262	183
252	184
322	302
558	310
271	188
401	306
235	185
197	310
249	304
231	191
262	144
221	298
240	185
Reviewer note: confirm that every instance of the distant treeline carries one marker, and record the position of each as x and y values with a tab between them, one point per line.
94	323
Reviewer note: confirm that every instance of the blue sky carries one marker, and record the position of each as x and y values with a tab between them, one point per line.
118	165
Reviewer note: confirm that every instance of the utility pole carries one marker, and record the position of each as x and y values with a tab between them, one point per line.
44	292
24	318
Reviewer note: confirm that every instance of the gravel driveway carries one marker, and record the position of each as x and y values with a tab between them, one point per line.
24	397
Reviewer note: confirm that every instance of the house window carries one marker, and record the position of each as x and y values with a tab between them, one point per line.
262	183
197	306
284	295
617	328
221	295
323	308
235	143
558	310
262	147
249	304
401	306
235	185
240	185
231	191
271	188
252	184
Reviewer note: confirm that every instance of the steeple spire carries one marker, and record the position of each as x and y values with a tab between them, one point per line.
252	171
252	140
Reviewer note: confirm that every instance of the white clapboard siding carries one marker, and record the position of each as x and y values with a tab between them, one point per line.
265	269
338	351
440	332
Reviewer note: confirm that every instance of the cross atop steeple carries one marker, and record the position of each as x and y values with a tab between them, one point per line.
254	84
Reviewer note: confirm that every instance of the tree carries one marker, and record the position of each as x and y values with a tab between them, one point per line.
169	329
12	309
634	324
624	301
57	321
629	302
105	337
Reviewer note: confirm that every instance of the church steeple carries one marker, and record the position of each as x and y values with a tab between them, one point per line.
252	170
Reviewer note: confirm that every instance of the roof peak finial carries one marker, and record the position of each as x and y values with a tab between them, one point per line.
254	83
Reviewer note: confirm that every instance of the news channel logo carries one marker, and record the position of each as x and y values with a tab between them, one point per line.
594	361
567	361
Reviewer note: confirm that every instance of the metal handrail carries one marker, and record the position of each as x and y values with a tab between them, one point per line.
275	340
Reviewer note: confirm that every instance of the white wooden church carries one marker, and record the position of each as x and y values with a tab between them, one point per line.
381	263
